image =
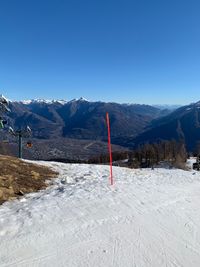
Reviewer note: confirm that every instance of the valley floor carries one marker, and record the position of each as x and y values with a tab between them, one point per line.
148	218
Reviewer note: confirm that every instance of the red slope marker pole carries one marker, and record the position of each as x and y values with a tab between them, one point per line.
109	147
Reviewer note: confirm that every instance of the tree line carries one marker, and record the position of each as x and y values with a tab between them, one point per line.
149	155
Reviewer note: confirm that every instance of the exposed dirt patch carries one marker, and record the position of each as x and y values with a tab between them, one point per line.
18	177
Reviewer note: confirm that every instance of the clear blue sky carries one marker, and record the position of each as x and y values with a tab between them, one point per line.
139	51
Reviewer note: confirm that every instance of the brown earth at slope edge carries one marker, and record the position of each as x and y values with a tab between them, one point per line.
18	177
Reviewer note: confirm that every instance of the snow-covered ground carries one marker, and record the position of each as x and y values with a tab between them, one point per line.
148	218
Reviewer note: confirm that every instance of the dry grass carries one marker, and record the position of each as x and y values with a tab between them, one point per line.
18	177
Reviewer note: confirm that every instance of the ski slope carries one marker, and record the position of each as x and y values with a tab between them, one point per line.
148	218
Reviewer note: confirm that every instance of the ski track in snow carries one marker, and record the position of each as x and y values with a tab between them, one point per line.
148	218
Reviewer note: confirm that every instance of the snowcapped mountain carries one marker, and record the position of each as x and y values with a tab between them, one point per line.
148	218
80	99
55	122
42	101
130	124
48	101
80	118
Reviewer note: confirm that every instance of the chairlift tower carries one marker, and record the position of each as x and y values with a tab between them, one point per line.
21	133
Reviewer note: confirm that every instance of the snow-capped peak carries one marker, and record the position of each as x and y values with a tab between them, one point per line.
81	99
45	101
53	101
3	99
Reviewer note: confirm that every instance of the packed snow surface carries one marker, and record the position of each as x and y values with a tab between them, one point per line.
148	218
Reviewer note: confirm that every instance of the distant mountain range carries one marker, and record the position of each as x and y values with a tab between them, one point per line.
81	119
165	106
54	121
181	124
75	129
